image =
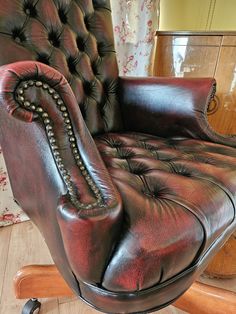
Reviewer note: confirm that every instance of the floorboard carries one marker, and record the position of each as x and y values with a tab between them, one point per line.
5	235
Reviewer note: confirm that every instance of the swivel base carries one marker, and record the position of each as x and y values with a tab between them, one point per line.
44	281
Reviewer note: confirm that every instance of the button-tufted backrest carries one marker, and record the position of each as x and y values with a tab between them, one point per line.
76	38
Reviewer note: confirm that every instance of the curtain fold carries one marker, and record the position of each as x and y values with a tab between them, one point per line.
135	23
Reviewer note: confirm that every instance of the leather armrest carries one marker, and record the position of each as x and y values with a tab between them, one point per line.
56	172
169	107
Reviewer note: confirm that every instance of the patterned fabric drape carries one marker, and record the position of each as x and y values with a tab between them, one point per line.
135	23
9	211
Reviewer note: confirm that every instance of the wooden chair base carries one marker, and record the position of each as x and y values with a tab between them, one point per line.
40	281
44	281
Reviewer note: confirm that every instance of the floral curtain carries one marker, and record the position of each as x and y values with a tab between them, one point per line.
135	23
9	211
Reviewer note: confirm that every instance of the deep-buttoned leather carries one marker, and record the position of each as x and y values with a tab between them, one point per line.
179	195
70	36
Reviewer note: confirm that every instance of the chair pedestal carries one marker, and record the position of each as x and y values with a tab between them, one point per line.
44	281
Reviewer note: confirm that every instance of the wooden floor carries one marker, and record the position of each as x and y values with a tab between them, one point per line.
22	244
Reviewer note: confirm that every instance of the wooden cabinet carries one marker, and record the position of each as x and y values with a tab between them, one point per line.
223	264
202	54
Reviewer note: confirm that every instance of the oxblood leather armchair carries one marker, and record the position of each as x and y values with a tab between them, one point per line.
132	190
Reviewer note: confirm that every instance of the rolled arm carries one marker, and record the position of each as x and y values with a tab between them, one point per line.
56	172
170	107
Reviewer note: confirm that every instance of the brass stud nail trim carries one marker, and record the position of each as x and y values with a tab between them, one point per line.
53	142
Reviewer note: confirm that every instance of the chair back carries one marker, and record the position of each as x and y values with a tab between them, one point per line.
76	38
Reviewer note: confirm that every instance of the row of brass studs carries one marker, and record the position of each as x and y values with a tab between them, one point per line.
53	144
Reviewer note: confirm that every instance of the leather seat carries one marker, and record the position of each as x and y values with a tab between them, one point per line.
130	187
178	196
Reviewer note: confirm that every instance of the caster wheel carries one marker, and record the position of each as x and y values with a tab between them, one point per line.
31	307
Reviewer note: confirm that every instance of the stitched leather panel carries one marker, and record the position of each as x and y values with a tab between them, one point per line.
170	106
178	196
75	37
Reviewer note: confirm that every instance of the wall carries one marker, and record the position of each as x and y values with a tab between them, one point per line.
198	15
224	17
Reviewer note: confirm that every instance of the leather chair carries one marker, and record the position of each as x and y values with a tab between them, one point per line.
130	187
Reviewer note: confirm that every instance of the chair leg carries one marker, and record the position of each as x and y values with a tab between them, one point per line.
44	281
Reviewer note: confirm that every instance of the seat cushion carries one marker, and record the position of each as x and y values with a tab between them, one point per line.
178	198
